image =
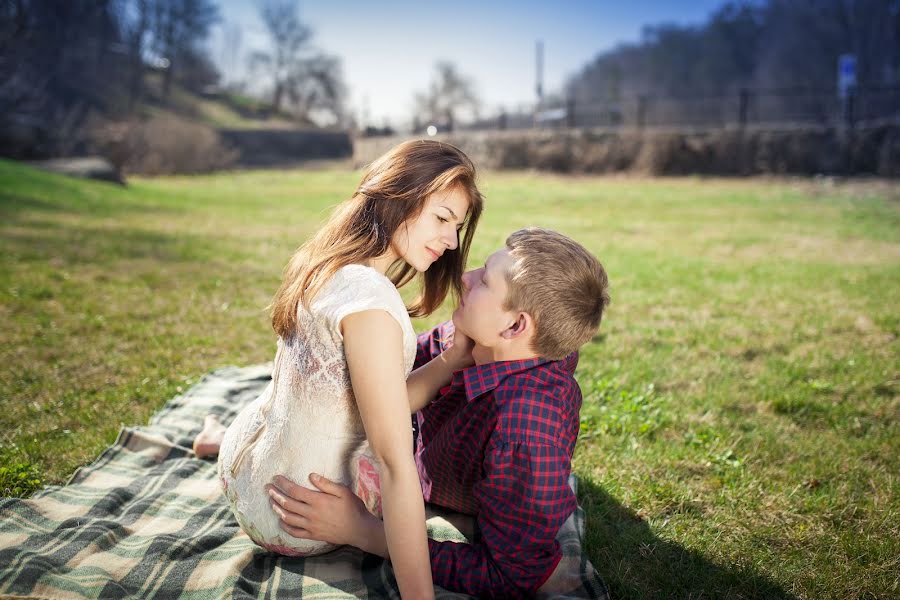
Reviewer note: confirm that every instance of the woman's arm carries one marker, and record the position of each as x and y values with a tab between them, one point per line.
373	345
425	382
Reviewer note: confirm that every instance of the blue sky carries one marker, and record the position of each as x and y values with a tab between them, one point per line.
388	47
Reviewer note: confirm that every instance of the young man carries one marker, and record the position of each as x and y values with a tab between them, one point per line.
497	442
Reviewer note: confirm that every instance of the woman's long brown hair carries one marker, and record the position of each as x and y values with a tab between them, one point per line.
392	191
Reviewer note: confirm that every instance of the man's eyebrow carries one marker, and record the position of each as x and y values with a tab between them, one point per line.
451	212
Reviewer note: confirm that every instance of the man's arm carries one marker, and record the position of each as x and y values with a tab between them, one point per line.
334	514
524	500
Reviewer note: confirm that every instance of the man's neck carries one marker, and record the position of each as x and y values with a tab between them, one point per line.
484	355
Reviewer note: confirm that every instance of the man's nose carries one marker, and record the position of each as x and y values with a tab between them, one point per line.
466	278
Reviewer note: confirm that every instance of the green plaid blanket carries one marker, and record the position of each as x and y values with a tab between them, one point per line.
147	520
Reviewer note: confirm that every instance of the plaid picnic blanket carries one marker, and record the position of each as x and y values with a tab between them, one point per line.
148	520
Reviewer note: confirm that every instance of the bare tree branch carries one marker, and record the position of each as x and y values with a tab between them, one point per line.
448	93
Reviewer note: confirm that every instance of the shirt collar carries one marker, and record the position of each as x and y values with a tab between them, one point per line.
480	379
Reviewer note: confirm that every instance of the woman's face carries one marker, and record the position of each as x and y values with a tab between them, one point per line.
422	240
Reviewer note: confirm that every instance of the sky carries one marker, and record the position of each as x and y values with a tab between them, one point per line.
388	48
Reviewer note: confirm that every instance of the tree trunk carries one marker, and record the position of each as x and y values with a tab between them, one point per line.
135	88
276	98
136	62
170	51
167	79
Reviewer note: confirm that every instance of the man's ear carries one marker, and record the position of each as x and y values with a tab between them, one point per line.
522	325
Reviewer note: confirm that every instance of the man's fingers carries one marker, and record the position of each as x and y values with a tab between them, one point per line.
326	485
289	518
293	490
297	532
288	503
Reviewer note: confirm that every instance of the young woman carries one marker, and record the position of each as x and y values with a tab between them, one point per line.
339	401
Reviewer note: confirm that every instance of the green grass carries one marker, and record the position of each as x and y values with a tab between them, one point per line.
739	428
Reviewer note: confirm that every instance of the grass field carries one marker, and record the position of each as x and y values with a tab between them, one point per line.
740	422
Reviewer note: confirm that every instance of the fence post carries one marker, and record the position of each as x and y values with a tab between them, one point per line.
850	107
570	113
501	120
742	107
642	111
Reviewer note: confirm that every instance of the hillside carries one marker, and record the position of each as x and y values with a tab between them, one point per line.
219	109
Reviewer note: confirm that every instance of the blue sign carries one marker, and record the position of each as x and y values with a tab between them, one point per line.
846	73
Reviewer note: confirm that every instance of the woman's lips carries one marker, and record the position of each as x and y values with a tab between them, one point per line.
434	254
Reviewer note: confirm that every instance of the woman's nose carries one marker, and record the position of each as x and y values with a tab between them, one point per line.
452	240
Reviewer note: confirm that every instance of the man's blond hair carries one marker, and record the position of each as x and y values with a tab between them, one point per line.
560	284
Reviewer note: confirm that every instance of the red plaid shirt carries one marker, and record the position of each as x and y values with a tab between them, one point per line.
497	443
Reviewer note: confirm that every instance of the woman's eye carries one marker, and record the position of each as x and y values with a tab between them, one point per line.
441	219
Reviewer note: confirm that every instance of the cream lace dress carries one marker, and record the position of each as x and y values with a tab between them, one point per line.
307	420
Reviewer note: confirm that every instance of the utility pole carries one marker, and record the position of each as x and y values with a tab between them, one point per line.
539	78
364	116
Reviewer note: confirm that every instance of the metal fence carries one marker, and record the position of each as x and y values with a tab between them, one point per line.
746	107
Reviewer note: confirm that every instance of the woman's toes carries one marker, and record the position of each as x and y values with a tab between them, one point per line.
209	440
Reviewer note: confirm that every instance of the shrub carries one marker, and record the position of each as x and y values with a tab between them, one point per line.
162	145
553	155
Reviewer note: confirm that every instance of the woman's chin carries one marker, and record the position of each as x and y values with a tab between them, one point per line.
421	264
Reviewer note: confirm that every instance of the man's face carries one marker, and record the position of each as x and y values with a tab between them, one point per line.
480	314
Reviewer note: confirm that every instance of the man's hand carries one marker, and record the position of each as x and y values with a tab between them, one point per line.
334	514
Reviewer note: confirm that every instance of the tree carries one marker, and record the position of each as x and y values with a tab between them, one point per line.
179	26
805	37
136	22
448	93
766	44
302	77
59	61
231	50
784	50
66	68
289	38
316	86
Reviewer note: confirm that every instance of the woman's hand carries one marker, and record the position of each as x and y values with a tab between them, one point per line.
424	383
334	514
459	355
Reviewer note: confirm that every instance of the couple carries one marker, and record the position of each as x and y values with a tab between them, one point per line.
322	457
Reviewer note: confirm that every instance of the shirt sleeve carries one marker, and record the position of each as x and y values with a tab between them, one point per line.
356	288
523	501
431	343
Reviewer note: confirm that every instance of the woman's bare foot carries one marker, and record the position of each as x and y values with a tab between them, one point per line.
208	441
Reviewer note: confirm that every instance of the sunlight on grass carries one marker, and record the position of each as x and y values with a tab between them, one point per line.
739	429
